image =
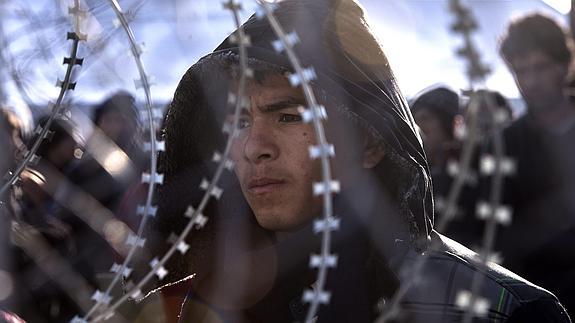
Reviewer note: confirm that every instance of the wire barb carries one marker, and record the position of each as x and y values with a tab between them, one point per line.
134	240
323	187
100	297
150	211
321	151
198	219
316	261
160	270
329	224
317	296
156	178
297	79
125	271
313	113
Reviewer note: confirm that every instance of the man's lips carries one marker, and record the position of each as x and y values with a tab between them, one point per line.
260	186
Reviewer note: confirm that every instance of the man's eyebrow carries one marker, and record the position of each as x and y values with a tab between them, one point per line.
283	103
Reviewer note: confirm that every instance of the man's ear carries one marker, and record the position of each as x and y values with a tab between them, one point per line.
373	151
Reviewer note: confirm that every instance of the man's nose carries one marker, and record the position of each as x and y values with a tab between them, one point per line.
260	145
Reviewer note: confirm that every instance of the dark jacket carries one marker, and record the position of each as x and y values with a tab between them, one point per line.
540	245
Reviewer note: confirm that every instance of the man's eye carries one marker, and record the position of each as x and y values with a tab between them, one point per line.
243	123
289	118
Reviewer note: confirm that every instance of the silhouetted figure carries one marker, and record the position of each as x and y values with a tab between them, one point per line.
110	167
540	243
12	148
43	212
438	114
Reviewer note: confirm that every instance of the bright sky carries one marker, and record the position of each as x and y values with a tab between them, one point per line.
414	33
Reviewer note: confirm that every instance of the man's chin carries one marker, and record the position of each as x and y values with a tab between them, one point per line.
540	105
273	225
277	223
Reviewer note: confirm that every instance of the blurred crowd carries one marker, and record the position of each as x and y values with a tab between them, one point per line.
68	205
536	238
69	202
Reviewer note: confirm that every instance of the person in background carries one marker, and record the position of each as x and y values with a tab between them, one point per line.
438	114
55	153
12	147
109	171
113	159
436	111
41	212
540	242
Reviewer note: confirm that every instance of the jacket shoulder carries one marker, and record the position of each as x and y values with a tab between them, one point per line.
449	271
520	289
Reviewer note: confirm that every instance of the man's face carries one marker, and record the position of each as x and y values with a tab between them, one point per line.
434	136
63	153
117	126
271	156
540	79
11	142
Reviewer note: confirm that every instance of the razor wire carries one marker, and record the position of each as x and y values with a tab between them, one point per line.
57	108
26	237
495	165
197	219
34	29
43	133
314	114
152	178
323	151
39	26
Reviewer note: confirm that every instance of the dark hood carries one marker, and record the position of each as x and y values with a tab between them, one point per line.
335	39
352	71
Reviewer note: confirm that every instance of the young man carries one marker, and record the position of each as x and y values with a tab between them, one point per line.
540	244
109	171
252	259
435	111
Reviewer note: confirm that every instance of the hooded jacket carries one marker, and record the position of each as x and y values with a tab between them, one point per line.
387	214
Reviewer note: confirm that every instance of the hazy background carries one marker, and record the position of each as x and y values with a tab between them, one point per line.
176	33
